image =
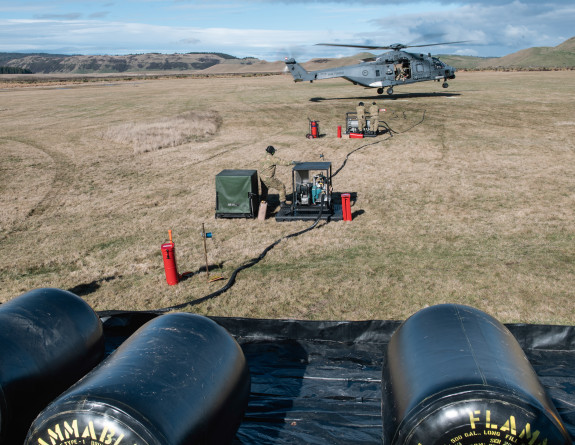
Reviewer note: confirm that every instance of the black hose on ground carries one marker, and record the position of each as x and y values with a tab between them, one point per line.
256	260
357	149
244	266
391	133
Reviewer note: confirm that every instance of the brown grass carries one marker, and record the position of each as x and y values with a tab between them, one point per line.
471	201
168	132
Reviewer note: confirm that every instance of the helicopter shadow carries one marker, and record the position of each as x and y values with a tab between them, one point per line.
85	289
387	97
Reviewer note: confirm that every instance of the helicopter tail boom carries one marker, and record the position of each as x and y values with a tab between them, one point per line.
298	72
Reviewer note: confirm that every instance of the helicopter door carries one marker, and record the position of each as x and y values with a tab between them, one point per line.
419	71
403	70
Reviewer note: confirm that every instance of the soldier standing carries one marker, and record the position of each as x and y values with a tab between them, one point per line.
267	174
373	118
360	111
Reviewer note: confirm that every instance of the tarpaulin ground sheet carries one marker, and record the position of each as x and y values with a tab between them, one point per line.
320	382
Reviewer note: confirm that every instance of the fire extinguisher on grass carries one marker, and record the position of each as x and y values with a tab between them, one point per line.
170	266
313	129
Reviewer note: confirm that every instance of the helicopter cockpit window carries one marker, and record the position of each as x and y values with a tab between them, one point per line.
438	63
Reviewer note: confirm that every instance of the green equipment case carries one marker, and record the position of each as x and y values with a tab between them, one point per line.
237	194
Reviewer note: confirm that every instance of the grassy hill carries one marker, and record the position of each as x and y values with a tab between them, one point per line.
469	62
561	56
78	64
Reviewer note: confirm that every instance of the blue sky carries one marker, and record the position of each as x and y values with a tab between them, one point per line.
271	30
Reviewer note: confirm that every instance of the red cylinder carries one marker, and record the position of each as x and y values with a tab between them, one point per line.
169	255
339	131
346	206
314	129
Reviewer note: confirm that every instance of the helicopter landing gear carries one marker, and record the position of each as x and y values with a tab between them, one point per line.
445	85
390	91
380	91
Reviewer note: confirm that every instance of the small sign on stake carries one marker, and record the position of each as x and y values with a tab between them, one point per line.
206	235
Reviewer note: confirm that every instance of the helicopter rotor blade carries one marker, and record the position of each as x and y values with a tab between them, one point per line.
353	46
395	46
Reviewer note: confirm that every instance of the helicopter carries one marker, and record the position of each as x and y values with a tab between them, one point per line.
395	67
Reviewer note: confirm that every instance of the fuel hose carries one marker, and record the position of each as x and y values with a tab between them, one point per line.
244	266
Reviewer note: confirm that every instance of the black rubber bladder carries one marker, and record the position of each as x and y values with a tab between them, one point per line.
454	375
49	338
179	379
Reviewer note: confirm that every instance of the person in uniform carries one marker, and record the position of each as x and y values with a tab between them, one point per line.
360	111
373	118
267	173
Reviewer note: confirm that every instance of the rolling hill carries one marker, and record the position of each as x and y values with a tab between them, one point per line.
79	64
560	56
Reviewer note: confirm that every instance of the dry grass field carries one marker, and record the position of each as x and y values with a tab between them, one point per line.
471	200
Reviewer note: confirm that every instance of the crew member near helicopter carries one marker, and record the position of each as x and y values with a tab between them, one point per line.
373	118
360	111
267	173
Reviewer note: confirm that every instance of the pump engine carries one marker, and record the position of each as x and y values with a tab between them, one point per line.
311	193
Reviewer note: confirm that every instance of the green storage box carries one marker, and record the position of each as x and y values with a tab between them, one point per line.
237	194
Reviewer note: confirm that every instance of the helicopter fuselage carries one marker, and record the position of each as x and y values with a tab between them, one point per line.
385	71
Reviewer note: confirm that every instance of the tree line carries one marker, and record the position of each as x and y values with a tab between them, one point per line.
14	70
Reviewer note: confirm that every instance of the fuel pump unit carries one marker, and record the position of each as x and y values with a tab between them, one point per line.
311	193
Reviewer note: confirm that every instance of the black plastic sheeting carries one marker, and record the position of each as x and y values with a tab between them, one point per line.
319	382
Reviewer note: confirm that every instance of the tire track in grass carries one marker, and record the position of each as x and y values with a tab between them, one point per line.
22	177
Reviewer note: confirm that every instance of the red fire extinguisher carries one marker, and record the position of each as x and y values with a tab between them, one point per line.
169	255
313	129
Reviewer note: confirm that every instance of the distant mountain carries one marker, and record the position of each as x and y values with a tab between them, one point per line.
77	64
560	56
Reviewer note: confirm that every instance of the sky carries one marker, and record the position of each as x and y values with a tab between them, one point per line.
272	30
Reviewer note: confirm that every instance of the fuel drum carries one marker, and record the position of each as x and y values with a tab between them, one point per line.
179	379
49	339
454	375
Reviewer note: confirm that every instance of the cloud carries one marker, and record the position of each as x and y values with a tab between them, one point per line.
271	29
69	16
466	52
494	29
190	41
99	15
415	3
101	37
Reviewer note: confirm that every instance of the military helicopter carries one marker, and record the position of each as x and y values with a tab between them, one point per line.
395	67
